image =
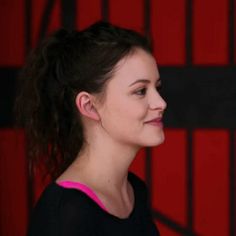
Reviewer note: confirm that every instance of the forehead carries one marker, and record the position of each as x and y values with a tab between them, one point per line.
137	65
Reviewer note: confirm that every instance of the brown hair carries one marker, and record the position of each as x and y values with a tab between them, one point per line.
64	64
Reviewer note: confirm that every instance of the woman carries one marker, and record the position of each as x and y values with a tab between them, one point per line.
90	100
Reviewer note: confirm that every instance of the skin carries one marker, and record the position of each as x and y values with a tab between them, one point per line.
116	128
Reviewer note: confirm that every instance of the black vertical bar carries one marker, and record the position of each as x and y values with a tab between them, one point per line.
29	175
232	167
232	163
105	10
148	172
190	180
45	19
189	32
68	14
147	21
189	59
231	32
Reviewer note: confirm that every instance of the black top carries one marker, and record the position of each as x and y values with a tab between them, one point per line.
70	212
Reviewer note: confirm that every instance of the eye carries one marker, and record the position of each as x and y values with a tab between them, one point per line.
141	92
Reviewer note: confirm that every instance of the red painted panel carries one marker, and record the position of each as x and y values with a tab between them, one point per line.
138	165
168	31
169	176
13	194
210	32
127	14
166	231
55	18
38	8
211	185
88	12
40	181
12	44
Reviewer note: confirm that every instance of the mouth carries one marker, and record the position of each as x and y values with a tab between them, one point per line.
155	122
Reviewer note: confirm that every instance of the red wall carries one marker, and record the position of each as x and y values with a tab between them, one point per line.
210	148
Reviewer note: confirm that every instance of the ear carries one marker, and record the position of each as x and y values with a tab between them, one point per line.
84	103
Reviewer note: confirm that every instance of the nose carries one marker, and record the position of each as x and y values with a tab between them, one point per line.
157	102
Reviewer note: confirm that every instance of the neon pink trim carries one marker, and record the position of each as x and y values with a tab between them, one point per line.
83	188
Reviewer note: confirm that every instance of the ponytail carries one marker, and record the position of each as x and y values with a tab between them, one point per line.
45	108
66	63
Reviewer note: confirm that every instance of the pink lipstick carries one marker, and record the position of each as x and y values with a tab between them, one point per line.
155	122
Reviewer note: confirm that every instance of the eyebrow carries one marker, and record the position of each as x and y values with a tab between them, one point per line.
143	81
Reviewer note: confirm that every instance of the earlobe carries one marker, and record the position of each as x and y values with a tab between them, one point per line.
84	103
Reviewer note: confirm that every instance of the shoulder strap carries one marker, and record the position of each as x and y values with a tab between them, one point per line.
83	188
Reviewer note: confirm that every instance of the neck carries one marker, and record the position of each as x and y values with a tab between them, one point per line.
106	163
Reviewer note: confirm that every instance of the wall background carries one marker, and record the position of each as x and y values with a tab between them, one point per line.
191	176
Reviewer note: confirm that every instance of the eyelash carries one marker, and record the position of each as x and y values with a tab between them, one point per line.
142	91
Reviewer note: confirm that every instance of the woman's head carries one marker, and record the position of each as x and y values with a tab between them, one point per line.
64	65
130	115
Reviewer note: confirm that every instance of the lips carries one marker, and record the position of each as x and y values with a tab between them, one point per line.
156	122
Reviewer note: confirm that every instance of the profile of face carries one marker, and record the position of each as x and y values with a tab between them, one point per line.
132	110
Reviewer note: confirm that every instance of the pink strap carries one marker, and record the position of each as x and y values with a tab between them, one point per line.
83	188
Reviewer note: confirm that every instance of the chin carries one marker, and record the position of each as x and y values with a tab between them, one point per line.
153	142
157	143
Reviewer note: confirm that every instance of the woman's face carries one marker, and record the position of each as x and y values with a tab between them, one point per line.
132	110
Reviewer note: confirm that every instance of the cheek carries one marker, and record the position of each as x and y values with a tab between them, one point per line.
128	112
